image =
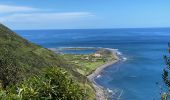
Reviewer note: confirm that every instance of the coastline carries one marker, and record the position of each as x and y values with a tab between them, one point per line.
100	91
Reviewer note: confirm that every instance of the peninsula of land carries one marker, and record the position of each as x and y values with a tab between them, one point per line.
90	65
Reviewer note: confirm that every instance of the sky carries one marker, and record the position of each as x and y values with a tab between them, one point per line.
84	14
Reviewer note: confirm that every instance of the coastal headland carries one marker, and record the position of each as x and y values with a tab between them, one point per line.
91	64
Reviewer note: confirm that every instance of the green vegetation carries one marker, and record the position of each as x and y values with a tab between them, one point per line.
37	72
87	63
52	83
165	75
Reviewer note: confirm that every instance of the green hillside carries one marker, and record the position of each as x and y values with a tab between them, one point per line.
20	60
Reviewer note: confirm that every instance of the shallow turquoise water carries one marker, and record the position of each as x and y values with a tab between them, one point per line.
143	48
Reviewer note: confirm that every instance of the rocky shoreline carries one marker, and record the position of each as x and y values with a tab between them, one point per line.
100	91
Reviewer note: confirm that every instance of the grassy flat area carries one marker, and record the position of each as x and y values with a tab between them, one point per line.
87	63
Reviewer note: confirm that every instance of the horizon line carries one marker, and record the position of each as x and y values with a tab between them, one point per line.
91	28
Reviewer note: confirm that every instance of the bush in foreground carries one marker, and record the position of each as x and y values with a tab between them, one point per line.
53	84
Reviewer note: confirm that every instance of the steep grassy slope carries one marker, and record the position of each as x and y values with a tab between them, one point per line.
20	59
28	55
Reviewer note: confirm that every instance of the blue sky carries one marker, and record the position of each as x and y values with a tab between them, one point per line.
83	14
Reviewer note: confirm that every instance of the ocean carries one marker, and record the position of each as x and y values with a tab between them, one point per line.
133	78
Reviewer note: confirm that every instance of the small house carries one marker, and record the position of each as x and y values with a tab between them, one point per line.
97	55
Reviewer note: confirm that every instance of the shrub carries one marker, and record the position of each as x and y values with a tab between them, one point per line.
53	84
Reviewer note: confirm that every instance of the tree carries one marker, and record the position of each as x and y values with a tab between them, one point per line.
165	76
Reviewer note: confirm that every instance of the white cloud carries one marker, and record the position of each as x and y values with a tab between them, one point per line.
45	17
29	17
11	9
66	19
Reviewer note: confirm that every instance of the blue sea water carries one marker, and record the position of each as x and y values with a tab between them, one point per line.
134	78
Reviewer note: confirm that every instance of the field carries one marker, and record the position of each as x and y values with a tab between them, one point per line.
87	63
